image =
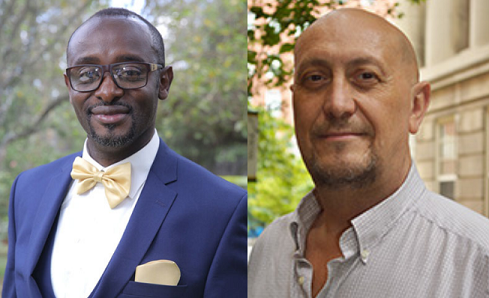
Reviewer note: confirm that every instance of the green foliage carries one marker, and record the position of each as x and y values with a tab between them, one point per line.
204	117
282	179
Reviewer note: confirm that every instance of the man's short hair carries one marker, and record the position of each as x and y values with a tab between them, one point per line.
157	41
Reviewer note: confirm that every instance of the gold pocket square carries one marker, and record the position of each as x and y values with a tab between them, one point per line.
160	272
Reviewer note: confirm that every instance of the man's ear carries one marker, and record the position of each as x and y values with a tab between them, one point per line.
166	77
420	100
67	81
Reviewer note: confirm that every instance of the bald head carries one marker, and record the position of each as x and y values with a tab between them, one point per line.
359	26
356	99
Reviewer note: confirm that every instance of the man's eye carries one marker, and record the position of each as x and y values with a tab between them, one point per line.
315	78
367	76
130	74
88	75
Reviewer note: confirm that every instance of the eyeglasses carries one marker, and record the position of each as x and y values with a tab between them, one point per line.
126	75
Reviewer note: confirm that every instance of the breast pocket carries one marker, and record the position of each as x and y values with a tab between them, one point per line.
137	289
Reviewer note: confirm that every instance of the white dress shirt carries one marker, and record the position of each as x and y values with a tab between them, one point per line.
89	231
414	244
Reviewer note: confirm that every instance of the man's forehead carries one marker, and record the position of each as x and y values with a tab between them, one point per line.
103	35
343	48
346	34
347	60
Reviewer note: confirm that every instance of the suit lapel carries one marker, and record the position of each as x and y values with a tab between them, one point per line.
48	210
149	213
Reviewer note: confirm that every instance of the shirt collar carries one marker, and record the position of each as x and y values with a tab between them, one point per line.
369	227
373	224
303	218
141	163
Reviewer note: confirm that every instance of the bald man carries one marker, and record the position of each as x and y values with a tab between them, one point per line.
369	228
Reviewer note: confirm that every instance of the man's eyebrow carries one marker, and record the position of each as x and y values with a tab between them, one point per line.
369	61
87	60
364	61
312	62
124	58
324	63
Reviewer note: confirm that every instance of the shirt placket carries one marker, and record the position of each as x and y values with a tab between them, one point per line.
339	268
302	276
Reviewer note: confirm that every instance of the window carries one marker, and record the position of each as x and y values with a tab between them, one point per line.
460	24
447	157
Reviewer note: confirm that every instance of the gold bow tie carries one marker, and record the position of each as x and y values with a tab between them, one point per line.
117	180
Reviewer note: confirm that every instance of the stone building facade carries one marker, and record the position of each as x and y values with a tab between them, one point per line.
451	38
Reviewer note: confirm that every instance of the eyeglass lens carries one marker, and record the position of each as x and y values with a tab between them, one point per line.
126	76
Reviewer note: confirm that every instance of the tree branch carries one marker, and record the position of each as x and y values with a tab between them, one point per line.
36	125
15	30
6	12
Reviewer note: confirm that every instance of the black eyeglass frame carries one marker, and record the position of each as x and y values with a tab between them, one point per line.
108	68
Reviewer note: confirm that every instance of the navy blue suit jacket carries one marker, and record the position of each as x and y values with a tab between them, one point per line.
184	214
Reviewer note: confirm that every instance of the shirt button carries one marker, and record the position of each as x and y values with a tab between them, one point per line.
300	280
364	254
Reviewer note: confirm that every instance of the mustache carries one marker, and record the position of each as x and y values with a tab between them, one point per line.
340	126
103	103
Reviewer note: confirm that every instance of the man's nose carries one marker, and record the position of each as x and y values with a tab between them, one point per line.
339	102
108	90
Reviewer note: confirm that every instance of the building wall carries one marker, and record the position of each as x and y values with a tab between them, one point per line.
451	38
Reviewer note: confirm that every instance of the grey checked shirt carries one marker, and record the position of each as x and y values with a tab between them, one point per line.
414	244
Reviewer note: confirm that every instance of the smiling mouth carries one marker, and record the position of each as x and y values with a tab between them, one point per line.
341	136
110	119
109	114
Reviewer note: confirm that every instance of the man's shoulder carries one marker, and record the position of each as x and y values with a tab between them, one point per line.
455	219
201	178
270	259
196	185
276	234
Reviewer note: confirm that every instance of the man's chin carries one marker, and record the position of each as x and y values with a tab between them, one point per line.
339	174
114	142
111	139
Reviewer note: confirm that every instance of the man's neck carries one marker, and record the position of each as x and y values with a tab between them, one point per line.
107	158
339	207
342	204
